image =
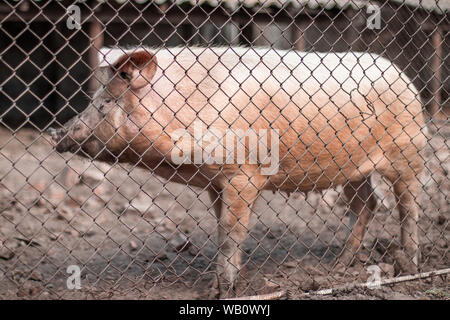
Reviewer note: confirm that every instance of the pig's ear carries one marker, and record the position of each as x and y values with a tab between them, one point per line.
136	68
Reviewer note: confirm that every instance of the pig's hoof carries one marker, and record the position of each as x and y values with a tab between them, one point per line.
214	292
403	263
226	291
222	290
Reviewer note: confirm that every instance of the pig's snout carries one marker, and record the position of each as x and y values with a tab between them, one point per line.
61	140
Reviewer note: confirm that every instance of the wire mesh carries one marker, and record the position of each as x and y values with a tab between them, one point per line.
204	149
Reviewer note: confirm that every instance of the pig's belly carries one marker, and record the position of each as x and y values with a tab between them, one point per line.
313	161
307	175
307	180
303	170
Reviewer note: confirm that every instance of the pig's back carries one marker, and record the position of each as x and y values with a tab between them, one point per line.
225	71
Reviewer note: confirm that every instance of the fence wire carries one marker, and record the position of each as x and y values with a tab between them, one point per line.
206	149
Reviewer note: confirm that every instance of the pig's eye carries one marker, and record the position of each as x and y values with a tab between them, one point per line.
124	75
108	100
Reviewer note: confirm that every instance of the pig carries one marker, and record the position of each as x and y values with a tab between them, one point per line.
338	118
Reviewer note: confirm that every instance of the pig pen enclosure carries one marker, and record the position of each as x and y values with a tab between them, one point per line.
76	228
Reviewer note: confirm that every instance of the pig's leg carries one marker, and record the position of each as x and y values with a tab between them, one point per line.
362	204
406	192
234	216
217	205
216	201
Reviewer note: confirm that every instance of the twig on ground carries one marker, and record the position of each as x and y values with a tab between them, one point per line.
283	294
382	282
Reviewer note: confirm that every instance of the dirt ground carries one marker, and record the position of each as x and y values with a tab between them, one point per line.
135	236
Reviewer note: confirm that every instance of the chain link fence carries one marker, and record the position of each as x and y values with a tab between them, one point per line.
205	149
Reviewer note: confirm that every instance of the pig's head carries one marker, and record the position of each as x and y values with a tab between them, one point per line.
100	132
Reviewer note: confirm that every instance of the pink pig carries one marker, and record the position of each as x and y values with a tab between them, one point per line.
338	117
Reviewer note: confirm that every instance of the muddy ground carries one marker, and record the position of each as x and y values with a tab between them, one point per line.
135	236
